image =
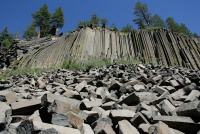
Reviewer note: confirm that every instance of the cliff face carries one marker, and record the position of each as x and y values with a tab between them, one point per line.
156	46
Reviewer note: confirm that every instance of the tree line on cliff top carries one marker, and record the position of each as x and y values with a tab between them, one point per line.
45	24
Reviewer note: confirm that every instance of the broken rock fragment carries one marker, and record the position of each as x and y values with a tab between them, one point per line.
191	109
60	120
25	106
126	128
179	122
117	115
38	126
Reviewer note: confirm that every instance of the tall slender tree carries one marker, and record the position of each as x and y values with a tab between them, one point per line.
104	22
6	39
42	18
143	16
57	20
94	21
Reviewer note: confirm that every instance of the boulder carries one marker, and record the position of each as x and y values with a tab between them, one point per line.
25	106
60	120
126	128
117	115
179	122
86	129
75	120
24	127
62	130
191	109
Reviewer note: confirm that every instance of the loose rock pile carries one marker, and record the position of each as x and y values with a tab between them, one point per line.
7	56
124	99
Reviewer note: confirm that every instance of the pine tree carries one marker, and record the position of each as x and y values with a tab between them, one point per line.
42	18
6	39
114	27
127	28
175	27
143	15
57	20
82	24
30	31
94	21
171	24
196	35
157	22
104	22
183	29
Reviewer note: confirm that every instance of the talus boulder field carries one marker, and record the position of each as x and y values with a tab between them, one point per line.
105	105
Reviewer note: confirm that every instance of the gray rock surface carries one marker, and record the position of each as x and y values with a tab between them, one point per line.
160	48
120	99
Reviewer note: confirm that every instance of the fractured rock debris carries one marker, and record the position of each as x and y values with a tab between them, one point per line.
143	99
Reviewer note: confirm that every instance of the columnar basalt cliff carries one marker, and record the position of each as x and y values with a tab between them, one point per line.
148	46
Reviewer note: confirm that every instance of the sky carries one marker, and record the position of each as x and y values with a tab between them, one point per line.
16	14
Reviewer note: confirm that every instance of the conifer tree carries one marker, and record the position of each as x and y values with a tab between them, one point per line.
57	20
94	21
42	18
143	15
6	39
104	22
157	22
127	28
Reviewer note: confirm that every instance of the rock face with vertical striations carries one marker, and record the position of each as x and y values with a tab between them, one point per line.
160	46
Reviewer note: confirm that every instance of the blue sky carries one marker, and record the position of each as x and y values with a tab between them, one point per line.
16	14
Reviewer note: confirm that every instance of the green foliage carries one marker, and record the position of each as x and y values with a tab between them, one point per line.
92	62
144	19
175	27
72	65
152	28
24	71
196	35
127	61
30	31
184	29
143	16
57	19
171	24
6	39
104	22
42	18
114	27
157	21
127	28
82	24
94	21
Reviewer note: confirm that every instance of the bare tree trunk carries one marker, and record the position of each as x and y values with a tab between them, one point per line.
38	34
145	18
56	32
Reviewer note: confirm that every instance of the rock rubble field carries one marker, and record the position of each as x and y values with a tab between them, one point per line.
116	99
